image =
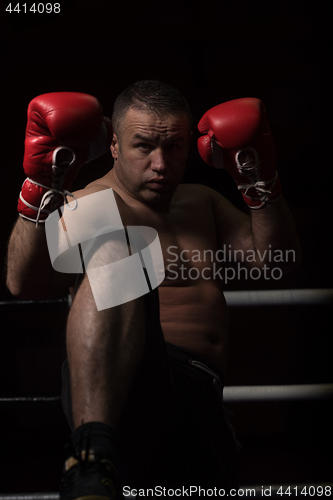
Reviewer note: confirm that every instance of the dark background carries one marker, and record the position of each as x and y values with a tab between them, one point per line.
278	52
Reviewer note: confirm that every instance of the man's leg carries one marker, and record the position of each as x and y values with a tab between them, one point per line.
104	350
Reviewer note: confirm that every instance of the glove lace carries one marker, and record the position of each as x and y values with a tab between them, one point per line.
62	159
48	197
250	168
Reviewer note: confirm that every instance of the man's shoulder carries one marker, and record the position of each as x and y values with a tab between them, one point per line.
198	192
99	184
93	187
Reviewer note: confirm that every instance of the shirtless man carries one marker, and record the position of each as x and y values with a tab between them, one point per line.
150	385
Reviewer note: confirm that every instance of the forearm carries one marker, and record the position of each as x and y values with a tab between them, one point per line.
29	270
59	120
274	235
237	137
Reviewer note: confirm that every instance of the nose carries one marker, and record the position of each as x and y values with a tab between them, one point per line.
158	161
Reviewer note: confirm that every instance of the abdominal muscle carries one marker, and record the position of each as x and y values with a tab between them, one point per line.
196	317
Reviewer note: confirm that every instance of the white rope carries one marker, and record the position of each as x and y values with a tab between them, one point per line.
251	298
244	393
279	297
277	392
30	496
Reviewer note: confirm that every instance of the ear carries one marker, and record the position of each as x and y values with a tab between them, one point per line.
114	146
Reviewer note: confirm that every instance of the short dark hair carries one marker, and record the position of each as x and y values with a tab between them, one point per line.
151	96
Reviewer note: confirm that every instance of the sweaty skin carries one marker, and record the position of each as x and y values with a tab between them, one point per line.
150	154
105	347
150	158
193	311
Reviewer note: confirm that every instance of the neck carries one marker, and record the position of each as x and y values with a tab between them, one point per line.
131	199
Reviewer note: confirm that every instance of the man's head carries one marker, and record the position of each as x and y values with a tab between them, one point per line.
152	130
150	96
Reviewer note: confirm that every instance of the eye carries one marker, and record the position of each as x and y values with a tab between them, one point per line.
173	145
144	146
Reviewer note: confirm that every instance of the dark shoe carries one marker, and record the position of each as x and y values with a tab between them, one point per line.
89	476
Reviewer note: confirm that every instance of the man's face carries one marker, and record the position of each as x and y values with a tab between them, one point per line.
151	154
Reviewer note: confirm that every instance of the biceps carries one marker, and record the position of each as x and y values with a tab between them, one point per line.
233	227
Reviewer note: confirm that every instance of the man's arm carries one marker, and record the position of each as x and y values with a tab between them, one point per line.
29	271
273	228
238	139
64	130
30	274
257	238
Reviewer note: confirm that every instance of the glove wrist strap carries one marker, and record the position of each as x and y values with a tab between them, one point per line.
256	192
52	197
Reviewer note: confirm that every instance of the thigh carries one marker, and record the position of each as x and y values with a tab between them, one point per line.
146	412
180	435
153	362
199	446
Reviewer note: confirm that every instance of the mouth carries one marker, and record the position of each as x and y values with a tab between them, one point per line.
159	180
158	183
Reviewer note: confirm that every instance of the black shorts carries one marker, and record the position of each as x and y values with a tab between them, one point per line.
174	431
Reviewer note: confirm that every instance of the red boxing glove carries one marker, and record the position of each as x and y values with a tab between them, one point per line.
64	131
238	138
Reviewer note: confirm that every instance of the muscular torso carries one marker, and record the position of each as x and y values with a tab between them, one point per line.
193	310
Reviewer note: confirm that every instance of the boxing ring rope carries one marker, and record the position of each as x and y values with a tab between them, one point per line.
243	394
251	298
241	298
31	496
231	394
30	401
32	305
279	297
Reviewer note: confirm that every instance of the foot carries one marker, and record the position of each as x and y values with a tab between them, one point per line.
89	476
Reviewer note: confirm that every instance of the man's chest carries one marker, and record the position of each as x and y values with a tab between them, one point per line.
187	232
